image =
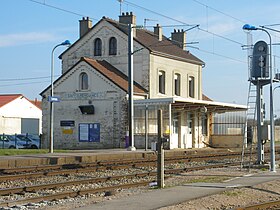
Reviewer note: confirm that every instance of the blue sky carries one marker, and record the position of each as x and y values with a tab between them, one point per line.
30	30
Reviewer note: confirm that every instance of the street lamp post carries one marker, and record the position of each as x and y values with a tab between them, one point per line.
272	143
130	89
65	43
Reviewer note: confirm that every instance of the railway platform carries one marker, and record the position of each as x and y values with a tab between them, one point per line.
159	198
92	156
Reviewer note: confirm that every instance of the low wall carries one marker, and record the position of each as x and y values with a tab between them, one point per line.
226	141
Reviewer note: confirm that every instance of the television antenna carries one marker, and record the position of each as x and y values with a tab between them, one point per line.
121	1
147	19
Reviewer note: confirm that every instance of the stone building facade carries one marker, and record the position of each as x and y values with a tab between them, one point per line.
94	78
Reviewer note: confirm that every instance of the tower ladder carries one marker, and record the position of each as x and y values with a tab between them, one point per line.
250	124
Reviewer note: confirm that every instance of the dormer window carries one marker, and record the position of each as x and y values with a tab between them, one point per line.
97	47
113	46
83	81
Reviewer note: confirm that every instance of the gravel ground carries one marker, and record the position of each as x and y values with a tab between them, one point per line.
226	200
261	193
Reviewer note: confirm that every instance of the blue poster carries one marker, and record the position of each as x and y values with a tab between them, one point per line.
89	132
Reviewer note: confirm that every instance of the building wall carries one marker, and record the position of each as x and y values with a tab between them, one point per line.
110	104
12	113
104	30
146	68
171	66
227	141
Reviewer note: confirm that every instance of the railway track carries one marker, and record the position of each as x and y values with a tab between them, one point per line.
73	193
50	170
262	206
143	177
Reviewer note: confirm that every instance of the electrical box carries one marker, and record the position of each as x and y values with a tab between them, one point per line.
265	132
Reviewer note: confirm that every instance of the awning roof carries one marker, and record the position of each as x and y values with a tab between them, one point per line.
189	104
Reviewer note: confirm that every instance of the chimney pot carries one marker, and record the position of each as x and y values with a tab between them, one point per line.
126	19
158	32
179	38
85	26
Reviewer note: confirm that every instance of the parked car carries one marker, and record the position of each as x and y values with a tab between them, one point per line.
30	141
11	142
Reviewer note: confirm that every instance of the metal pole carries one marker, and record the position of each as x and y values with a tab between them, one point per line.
272	145
51	103
130	88
160	158
260	159
66	42
146	127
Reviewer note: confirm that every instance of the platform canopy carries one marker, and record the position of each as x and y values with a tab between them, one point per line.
189	104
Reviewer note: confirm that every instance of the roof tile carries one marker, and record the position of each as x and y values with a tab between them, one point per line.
5	99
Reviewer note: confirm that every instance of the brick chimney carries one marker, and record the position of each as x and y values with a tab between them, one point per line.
179	38
127	18
85	26
158	32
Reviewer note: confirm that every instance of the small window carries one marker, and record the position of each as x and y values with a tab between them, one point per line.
161	82
177	84
191	87
204	124
83	81
113	46
97	47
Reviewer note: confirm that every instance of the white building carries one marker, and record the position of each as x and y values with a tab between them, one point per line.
19	115
93	89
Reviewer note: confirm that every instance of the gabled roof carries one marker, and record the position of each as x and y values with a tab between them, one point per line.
164	47
108	71
37	103
113	74
150	41
7	98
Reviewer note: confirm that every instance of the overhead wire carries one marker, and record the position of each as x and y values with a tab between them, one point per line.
25	83
28	78
206	31
219	11
61	9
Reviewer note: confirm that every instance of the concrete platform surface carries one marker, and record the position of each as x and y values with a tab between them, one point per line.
155	199
91	156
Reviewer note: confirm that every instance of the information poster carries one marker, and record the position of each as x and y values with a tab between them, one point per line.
89	132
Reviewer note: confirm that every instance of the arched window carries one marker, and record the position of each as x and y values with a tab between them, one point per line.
97	47
113	46
83	81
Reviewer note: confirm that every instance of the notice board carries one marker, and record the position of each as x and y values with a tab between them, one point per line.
89	132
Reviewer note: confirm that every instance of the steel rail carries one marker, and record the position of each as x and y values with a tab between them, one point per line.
270	205
111	164
34	188
62	195
103	168
71	194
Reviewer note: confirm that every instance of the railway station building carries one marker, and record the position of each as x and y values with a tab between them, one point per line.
93	91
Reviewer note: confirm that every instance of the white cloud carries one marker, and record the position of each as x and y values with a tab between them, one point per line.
25	38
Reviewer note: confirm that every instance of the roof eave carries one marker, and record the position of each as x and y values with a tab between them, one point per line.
177	58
